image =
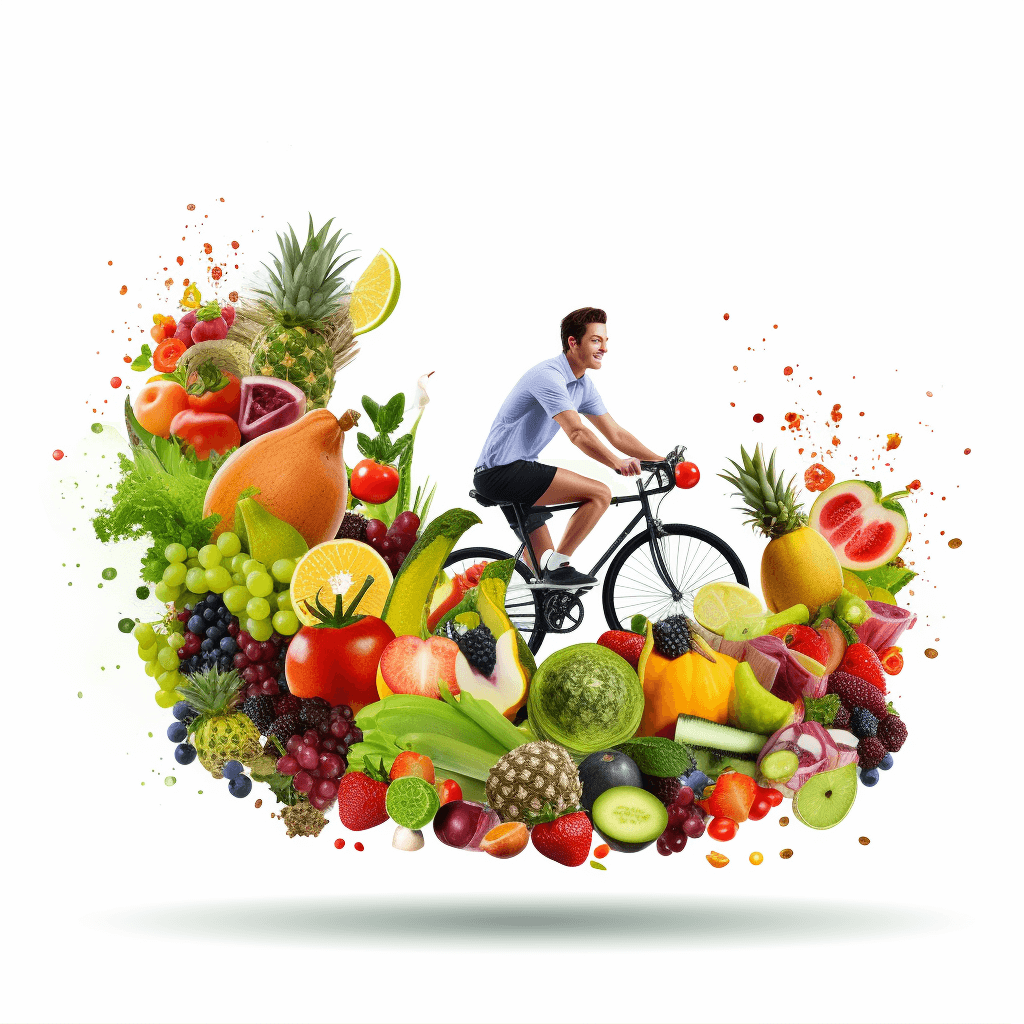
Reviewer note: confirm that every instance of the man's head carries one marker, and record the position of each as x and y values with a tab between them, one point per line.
585	336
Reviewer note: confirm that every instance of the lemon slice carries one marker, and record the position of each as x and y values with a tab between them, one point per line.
375	294
337	570
716	603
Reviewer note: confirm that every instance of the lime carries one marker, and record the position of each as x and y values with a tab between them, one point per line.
375	294
412	802
716	603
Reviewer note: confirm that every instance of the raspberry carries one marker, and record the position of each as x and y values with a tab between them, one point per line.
863	723
842	719
857	693
892	731
871	752
666	790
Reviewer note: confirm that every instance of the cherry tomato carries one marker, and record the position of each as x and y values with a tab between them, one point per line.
206	431
227	400
448	790
892	660
163	327
771	794
158	404
723	829
687	475
374	483
167	354
338	664
760	807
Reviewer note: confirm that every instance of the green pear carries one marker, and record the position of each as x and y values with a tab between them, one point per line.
753	708
268	537
749	626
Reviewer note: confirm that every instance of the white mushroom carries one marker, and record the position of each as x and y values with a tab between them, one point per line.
407	839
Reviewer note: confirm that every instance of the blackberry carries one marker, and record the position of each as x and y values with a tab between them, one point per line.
863	723
842	719
261	711
286	703
892	731
871	752
666	790
286	726
353	527
672	637
480	648
315	713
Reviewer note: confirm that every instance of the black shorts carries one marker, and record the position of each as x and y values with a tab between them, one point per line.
522	482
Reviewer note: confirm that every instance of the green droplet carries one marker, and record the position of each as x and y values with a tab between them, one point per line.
150	735
200	792
99	586
126	625
142	593
170	780
79	694
97	428
110	573
69	583
78	565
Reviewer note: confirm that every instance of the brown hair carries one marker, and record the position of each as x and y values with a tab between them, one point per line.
575	324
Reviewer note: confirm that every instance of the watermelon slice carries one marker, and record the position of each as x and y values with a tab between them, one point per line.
865	529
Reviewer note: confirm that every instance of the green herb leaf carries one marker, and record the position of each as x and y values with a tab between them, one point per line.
659	756
372	411
143	361
888	577
822	709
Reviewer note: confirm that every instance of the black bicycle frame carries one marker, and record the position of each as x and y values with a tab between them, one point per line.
644	513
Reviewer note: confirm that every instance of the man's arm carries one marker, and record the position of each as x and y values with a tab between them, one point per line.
623	439
590	444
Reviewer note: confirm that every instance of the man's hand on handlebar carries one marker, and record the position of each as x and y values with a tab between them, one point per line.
629	467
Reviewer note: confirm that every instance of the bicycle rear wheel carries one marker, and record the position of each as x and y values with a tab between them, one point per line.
694	557
522	604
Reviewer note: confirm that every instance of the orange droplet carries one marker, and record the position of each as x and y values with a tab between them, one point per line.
725	317
818	477
893	441
967	451
216	273
190	207
836	441
717	860
124	289
930	652
602	851
207	248
234	245
339	844
110	263
181	261
955	542
58	455
115	382
788	370
233	296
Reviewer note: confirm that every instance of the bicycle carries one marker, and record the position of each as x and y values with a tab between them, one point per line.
654	573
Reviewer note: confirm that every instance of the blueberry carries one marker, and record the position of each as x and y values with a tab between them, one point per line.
886	763
184	753
283	683
209	614
232	769
869	777
208	645
240	786
177	732
215	633
196	625
224	663
228	645
182	711
213	600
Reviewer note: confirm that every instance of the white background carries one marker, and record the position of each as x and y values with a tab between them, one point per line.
848	173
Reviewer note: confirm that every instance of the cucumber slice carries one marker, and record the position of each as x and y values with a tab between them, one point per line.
628	818
699	733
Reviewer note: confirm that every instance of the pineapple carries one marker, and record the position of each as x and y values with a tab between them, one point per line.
221	732
799	565
300	331
529	777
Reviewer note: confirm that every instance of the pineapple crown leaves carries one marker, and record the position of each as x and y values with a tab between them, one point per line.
386	419
211	693
771	504
341	616
308	281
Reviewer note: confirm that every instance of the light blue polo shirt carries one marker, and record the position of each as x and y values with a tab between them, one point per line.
524	424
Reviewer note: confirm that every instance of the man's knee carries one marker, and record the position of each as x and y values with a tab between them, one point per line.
601	495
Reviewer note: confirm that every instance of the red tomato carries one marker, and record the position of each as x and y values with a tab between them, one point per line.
206	431
723	829
374	483
167	354
687	475
760	807
227	400
339	665
159	402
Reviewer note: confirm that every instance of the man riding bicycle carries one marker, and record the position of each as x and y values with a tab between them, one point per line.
554	394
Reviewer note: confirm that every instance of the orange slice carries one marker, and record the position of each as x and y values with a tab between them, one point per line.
338	569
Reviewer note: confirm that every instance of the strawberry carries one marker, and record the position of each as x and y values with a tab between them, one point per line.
361	798
862	662
733	796
892	660
409	762
566	839
626	645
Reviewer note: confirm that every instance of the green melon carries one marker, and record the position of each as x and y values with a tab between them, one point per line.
585	698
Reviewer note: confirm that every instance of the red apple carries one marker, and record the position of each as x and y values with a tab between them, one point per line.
836	644
804	640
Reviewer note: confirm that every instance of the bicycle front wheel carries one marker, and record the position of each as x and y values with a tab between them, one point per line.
521	603
693	557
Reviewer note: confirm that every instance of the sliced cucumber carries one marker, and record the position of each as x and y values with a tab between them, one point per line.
712	764
700	734
629	818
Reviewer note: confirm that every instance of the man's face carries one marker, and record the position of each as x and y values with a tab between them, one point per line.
591	348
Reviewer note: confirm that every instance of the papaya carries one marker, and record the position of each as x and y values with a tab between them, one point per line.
299	471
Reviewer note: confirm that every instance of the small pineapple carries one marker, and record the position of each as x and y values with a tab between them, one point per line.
529	777
300	331
222	733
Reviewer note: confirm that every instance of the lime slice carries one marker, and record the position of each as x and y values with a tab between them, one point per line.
412	802
716	603
826	798
375	294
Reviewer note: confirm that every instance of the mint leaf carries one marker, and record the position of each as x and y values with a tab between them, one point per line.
888	577
659	756
822	709
143	361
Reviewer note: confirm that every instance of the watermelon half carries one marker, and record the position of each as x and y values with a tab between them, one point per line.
865	529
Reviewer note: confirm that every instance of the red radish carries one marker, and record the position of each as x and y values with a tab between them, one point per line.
228	313
183	332
210	324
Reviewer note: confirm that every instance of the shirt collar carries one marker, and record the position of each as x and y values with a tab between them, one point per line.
562	362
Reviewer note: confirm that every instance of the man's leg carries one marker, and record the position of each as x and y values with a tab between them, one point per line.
569	486
540	539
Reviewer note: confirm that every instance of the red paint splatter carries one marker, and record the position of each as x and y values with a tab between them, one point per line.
115	382
758	418
339	844
836	414
181	261
818	477
127	359
233	296
190	207
788	370
110	263
892	441
775	327
216	273
914	485
725	317
359	847
207	248
836	441
58	455
234	245
794	420
967	451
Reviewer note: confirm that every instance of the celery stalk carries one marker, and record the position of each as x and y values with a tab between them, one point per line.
487	717
396	723
450	755
472	789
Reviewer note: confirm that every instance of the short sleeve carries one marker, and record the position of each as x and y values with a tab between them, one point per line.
592	404
550	391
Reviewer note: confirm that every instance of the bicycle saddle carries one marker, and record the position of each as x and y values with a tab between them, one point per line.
486	502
